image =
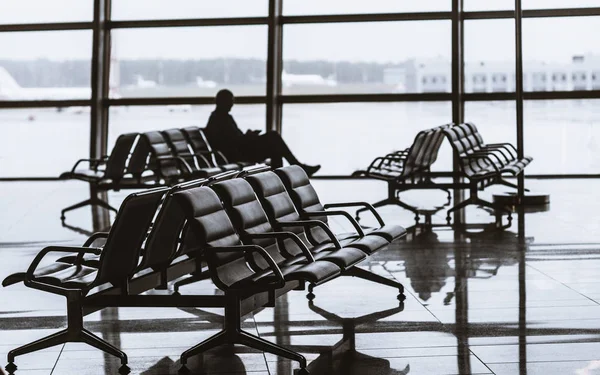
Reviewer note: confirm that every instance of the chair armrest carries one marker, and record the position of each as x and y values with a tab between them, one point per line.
58	249
94	237
279	283
283	236
204	159
315	223
178	159
366	205
345	214
488	154
94	163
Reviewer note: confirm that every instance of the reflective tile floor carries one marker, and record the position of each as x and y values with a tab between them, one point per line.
477	301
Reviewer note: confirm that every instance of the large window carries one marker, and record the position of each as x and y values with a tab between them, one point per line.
563	136
305	7
369	57
345	137
189	61
45	65
39	11
42	142
148	118
489	56
182	9
369	74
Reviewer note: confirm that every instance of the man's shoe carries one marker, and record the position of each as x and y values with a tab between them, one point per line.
310	169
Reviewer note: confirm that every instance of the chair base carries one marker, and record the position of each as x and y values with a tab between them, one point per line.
232	333
94	201
475	200
63	337
373	277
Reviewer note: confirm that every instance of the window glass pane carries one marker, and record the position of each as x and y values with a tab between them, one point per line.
189	61
551	4
367	58
479	5
45	65
496	121
178	9
557	57
563	136
42	11
42	142
306	7
148	118
490	56
346	137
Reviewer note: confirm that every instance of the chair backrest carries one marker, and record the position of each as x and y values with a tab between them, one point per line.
277	203
248	217
139	157
120	256
197	140
212	227
476	135
304	196
159	147
162	243
298	185
117	160
179	145
424	150
461	139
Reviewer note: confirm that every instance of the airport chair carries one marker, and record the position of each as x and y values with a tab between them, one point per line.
103	174
200	146
307	203
283	216
227	258
478	168
118	262
163	163
287	248
198	163
407	169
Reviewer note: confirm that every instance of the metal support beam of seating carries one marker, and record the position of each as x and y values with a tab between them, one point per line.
274	66
458	102
519	110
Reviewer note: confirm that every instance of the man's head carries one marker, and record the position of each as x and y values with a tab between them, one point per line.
224	100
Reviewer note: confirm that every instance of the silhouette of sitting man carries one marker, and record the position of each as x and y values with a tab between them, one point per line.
224	135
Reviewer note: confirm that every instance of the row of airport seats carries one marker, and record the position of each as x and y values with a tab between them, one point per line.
150	159
479	166
257	234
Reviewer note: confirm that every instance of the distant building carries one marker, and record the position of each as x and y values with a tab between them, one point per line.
433	75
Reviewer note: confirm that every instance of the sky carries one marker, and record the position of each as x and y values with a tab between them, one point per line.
545	39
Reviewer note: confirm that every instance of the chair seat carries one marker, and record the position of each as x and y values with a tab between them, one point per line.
69	277
315	272
389	231
369	243
206	172
229	167
344	258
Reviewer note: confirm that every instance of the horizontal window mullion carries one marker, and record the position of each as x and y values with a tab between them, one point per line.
62	26
191	100
533	13
366	98
374	17
4	104
199	22
549	95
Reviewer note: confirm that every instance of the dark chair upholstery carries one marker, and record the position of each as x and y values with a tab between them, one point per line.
117	264
251	220
197	162
197	140
283	215
103	174
227	258
308	204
